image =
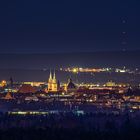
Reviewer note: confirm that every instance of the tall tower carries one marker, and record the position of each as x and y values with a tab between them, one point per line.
50	82
54	83
54	78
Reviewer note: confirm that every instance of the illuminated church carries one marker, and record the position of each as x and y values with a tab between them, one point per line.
52	83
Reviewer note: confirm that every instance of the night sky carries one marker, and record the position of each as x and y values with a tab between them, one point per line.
69	25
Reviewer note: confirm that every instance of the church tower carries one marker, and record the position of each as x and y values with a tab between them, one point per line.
52	83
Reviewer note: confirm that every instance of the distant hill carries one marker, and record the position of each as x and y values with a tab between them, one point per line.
87	59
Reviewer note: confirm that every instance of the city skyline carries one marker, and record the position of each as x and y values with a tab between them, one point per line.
70	70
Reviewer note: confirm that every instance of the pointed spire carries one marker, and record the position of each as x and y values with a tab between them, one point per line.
54	75
50	75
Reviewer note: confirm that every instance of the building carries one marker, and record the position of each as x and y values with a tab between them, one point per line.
3	83
8	96
52	83
110	84
27	89
34	84
71	87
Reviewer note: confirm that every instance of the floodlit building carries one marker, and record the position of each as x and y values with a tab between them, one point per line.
110	84
3	83
36	84
52	83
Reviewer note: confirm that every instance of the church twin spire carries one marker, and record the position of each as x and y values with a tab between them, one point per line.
52	78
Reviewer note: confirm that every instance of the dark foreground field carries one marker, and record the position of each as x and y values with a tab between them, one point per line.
68	134
70	127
